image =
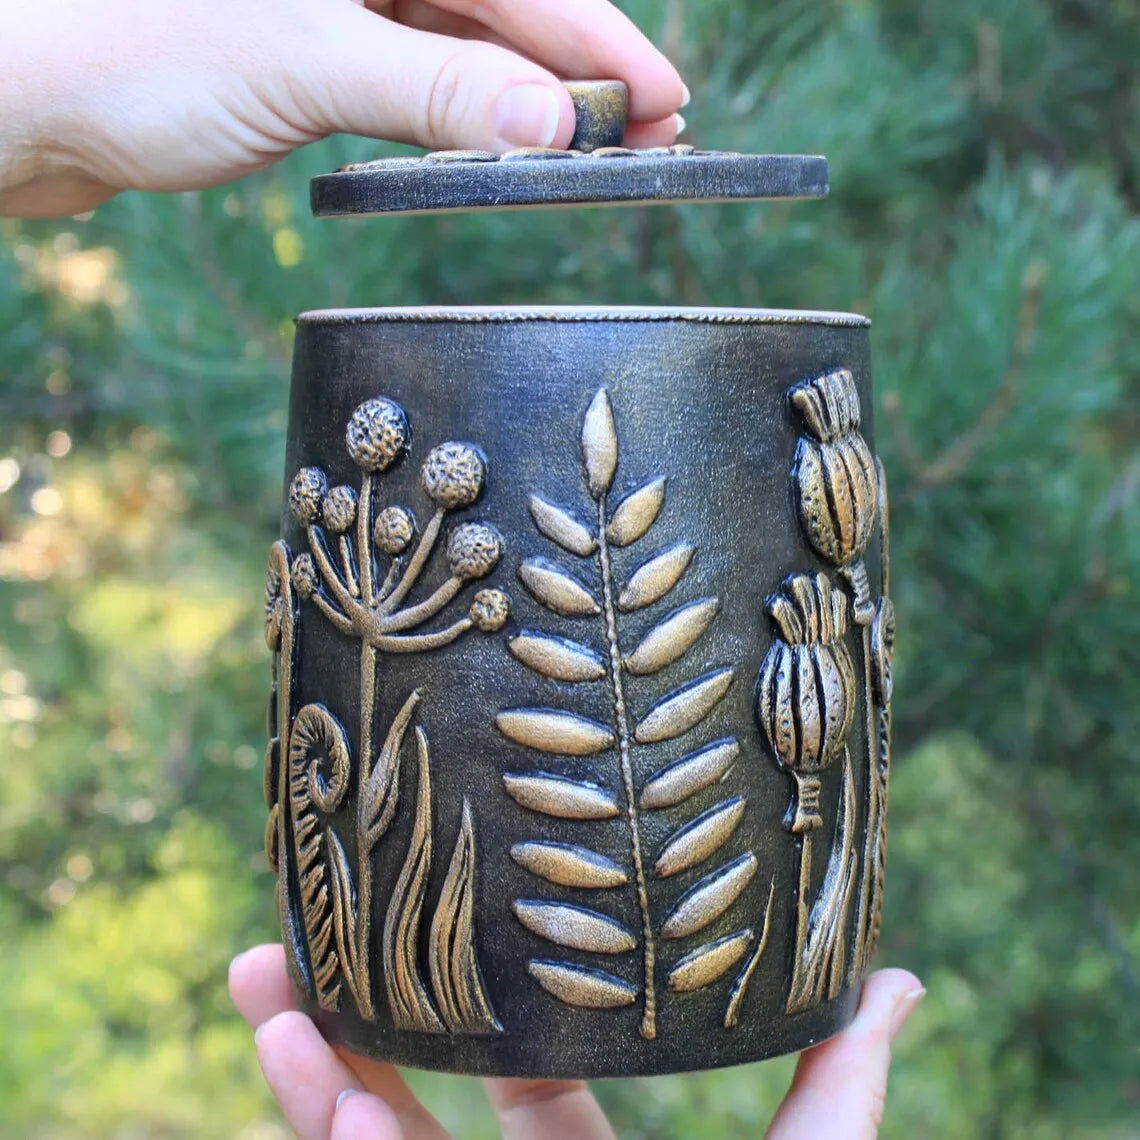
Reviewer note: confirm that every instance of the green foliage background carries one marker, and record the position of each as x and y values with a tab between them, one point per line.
986	187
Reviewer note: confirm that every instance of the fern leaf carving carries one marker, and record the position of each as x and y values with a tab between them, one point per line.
707	963
558	658
672	637
560	797
696	840
636	513
557	589
709	898
568	865
551	730
653	579
684	708
596	648
692	773
582	985
318	780
574	926
599	444
562	528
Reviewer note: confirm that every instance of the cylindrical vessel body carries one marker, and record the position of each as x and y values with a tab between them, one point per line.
580	724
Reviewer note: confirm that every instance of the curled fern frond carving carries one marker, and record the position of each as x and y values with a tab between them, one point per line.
317	741
595	641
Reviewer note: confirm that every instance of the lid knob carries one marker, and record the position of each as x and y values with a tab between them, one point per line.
600	110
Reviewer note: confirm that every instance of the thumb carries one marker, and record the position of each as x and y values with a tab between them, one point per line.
363	74
840	1087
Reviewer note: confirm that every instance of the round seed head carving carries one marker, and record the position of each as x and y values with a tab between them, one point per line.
306	493
339	509
834	472
377	434
489	610
473	550
304	575
453	474
805	695
394	529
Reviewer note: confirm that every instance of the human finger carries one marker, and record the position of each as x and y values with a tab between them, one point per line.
588	39
303	1073
426	16
363	74
662	133
259	984
840	1087
362	1116
547	1110
261	989
384	1081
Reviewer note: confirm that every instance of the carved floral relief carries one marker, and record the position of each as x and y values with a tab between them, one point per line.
359	573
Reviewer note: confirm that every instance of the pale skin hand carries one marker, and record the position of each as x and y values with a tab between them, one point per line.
837	1093
156	95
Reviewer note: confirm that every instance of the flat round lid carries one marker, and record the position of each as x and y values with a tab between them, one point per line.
596	170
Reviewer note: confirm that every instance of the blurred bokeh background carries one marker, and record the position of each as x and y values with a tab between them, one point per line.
985	163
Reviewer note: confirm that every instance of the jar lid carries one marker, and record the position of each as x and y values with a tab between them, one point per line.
595	170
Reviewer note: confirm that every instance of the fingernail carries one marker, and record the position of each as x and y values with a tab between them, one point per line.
343	1097
257	1032
681	124
686	95
903	1008
527	115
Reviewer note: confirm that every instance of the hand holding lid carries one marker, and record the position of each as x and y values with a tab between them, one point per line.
595	170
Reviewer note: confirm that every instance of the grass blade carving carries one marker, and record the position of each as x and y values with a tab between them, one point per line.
407	995
455	976
594	644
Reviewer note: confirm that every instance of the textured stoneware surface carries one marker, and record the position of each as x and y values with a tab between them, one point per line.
468	180
590	783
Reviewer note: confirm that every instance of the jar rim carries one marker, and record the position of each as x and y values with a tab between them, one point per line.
511	314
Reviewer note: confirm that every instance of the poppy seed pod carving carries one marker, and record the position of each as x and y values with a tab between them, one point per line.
835	480
805	698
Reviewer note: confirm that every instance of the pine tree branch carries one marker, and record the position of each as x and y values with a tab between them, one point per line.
960	452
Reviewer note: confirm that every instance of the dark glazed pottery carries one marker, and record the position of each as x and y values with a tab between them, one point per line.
582	642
